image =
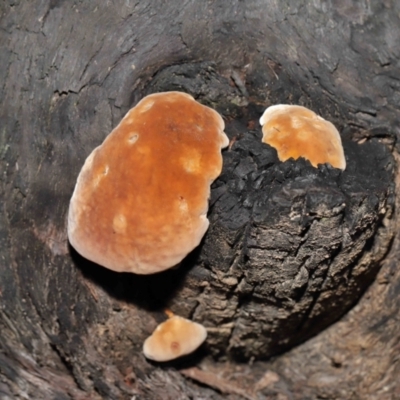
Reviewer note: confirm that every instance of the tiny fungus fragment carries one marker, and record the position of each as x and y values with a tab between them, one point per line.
296	131
141	199
174	338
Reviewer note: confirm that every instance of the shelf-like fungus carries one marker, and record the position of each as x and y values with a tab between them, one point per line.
141	199
296	131
174	338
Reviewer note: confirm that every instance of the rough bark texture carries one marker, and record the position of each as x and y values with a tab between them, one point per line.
289	248
70	71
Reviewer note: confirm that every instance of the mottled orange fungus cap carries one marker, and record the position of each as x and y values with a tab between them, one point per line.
174	338
296	131
141	198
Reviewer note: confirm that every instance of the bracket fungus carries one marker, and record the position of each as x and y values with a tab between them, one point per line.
296	131
174	338
141	199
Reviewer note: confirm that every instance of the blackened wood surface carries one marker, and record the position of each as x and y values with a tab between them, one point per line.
68	72
289	247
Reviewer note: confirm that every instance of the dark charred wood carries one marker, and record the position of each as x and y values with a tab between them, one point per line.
290	247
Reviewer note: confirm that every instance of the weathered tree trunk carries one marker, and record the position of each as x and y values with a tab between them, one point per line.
290	248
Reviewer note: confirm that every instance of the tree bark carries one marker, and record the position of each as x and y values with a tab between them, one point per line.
290	248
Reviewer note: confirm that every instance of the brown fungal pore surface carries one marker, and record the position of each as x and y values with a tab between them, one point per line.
296	131
141	198
174	338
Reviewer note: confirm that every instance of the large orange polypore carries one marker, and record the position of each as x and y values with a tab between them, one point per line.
296	131
141	198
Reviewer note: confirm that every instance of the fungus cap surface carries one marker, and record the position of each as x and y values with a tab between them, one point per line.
141	198
174	338
296	131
